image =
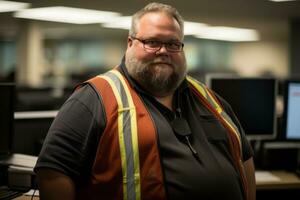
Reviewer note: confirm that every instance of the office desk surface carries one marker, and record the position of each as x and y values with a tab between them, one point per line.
28	195
282	180
26	198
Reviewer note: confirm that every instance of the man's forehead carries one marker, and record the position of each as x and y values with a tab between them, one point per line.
158	20
154	16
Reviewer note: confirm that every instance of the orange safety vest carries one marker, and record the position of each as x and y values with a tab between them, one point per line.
127	163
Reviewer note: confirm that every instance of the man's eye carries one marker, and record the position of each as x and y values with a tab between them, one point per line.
174	45
152	43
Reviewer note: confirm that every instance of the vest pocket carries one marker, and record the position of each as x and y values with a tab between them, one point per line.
217	137
212	128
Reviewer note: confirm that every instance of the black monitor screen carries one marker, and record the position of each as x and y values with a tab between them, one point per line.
253	100
292	110
6	117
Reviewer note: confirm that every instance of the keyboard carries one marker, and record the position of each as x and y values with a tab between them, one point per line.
6	193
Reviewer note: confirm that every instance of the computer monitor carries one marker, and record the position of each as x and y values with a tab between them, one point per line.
7	91
291	114
253	100
31	128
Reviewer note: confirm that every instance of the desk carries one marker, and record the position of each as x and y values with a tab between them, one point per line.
287	180
287	186
26	198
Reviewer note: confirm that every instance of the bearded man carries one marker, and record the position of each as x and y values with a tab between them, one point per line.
146	130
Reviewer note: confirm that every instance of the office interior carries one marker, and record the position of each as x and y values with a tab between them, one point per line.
45	60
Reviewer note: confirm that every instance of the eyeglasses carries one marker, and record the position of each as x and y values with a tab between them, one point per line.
156	45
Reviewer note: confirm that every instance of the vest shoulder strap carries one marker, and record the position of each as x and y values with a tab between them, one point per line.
212	103
127	133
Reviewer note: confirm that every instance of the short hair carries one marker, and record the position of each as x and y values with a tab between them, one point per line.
156	7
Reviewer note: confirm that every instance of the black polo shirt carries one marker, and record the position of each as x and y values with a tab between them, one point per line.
71	143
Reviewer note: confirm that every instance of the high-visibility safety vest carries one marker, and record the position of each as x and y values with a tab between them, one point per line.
127	162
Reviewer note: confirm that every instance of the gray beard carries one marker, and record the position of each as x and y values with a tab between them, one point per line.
156	84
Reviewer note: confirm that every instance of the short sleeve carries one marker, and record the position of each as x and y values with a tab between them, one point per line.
72	139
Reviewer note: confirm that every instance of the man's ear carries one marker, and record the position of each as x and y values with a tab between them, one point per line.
129	42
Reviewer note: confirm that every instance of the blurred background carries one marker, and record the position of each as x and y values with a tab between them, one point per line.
48	47
45	46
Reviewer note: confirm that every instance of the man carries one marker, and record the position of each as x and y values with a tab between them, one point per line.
146	131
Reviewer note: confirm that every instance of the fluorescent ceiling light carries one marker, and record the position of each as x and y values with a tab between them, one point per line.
9	6
119	23
229	34
190	28
66	15
281	0
199	30
193	28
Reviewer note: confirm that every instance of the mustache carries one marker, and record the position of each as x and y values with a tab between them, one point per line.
160	61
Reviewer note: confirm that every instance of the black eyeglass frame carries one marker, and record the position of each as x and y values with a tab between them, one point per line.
160	44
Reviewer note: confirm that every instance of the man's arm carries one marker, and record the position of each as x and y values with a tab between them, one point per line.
54	185
250	175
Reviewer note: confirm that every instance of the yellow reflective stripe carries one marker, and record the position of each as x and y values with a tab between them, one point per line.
216	106
134	136
226	118
234	129
120	134
204	93
196	84
125	109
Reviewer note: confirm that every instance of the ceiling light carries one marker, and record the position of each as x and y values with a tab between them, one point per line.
229	34
199	30
193	28
66	15
190	28
119	23
281	0
9	6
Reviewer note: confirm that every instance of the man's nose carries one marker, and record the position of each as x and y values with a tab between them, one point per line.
163	49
